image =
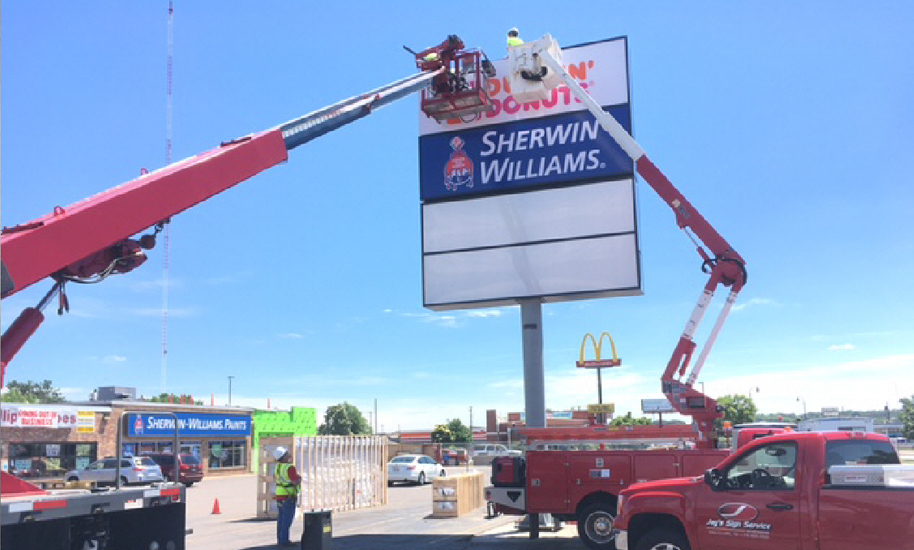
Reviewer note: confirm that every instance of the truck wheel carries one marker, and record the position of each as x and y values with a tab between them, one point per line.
663	540
595	526
72	478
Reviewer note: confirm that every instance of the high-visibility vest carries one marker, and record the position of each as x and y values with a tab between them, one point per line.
284	485
515	41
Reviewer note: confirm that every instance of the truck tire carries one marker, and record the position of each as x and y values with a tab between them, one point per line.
663	539
595	526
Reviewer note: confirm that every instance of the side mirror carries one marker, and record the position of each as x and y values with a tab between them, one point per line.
712	478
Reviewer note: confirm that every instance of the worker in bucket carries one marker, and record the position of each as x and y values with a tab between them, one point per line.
514	38
288	483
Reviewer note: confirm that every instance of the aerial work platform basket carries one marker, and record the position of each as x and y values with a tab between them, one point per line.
461	89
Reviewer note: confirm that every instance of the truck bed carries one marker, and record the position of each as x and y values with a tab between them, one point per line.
866	517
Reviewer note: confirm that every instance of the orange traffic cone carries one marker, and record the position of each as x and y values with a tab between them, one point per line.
216	507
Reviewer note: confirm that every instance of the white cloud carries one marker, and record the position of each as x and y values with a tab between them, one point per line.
290	336
483	313
853	385
841	347
111	359
740	306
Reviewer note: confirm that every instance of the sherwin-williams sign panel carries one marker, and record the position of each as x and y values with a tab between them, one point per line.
532	200
189	424
540	152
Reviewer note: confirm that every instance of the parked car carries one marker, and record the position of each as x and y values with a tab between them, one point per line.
413	469
454	457
484	453
134	469
191	468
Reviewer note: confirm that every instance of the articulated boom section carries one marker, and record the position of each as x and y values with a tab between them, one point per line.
537	67
92	239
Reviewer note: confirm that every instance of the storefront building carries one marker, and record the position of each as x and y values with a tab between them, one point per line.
45	441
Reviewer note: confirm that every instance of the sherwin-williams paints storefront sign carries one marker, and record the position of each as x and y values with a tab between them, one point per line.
189	424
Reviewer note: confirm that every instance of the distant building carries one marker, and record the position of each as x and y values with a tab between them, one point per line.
855	424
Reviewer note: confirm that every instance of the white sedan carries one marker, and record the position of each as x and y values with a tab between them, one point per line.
413	469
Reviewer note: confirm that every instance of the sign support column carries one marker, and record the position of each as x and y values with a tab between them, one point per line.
531	315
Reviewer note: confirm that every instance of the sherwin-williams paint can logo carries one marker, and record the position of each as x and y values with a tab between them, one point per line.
459	168
138	424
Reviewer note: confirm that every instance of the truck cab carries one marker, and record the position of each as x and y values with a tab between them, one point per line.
778	492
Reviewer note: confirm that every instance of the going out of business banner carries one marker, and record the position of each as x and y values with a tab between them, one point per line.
38	416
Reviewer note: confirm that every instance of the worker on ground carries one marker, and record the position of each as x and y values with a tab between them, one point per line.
288	483
514	38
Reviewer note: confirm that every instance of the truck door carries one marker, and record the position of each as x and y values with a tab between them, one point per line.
547	482
754	503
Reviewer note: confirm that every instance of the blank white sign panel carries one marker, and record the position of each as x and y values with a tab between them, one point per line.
569	212
563	270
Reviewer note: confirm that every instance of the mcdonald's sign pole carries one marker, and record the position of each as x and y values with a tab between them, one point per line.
599	363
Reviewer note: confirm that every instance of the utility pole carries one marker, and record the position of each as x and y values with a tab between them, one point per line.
230	390
471	424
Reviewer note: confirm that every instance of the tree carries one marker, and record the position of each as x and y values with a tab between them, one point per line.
344	419
907	417
442	434
629	420
32	392
454	431
738	409
173	398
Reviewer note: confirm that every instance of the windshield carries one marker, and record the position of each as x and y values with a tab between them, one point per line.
189	459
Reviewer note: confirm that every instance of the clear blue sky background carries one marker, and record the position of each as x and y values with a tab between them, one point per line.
787	124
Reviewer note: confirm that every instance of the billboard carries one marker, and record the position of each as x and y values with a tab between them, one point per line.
532	200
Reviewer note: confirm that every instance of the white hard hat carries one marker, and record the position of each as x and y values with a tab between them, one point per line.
279	453
513	30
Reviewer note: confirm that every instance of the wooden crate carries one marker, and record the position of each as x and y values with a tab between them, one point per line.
457	495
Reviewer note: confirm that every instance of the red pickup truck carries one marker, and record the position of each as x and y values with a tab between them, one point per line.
798	491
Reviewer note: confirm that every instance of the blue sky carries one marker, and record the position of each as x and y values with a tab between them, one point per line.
787	124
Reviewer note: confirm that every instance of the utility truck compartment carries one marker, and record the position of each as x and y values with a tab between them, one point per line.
880	475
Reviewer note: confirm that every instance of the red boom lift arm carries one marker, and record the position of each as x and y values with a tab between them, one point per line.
92	239
724	265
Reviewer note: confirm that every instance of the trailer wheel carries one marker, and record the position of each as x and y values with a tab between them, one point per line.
663	539
595	526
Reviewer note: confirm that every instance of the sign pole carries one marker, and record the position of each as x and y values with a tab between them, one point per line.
531	315
600	394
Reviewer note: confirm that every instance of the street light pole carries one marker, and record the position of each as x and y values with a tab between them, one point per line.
230	390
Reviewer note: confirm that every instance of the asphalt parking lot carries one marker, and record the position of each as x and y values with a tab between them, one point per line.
405	522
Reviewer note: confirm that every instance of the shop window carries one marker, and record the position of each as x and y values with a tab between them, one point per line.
34	460
227	454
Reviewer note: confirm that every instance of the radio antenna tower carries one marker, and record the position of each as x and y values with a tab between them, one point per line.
165	229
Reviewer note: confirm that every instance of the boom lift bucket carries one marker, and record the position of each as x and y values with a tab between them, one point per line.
530	79
461	89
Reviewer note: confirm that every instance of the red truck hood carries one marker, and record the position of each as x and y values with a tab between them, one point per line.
673	484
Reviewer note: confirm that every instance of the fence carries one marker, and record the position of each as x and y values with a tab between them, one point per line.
338	472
